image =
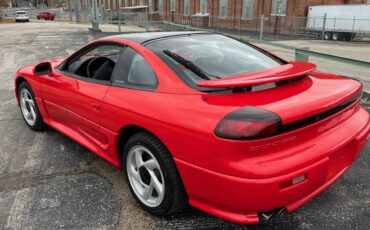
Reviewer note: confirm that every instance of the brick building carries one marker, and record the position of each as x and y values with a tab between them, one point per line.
230	14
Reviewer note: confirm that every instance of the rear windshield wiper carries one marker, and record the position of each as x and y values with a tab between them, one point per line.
189	65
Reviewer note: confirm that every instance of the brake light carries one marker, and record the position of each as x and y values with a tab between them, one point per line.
249	123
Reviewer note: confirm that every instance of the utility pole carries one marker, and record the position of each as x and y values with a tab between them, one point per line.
70	10
94	21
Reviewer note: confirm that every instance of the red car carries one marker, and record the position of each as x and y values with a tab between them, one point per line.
201	118
45	16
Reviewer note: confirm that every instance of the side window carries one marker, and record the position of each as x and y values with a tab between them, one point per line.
133	71
96	63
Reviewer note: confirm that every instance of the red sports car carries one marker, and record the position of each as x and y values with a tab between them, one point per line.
201	118
45	16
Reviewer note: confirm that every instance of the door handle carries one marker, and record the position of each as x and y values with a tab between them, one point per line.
96	107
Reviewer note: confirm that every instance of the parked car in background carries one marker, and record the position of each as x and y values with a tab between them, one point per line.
45	16
21	16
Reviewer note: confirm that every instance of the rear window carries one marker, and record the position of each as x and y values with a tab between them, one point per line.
21	12
216	55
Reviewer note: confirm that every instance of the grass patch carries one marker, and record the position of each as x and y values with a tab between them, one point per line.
7	20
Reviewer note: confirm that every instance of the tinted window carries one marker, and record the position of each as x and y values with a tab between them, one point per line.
216	55
133	71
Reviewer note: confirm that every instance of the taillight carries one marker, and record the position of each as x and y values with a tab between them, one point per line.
249	123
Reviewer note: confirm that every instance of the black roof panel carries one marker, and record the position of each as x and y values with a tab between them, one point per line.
148	36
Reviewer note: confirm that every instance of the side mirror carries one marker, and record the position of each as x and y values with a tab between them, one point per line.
43	68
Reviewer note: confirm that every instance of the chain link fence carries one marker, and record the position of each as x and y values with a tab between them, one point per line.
269	28
279	27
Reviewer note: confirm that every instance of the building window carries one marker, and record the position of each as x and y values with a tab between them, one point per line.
278	7
186	7
203	6
223	8
248	9
173	5
133	2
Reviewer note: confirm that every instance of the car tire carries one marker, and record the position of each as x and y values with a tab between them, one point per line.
328	35
337	36
28	107
150	167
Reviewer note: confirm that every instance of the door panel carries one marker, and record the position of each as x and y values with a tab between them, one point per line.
74	103
73	94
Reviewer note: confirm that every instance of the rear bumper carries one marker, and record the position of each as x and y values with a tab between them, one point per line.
240	199
22	19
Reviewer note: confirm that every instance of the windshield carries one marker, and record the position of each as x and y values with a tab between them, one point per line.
21	12
215	55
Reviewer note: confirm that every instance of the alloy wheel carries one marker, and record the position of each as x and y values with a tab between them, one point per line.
28	107
145	176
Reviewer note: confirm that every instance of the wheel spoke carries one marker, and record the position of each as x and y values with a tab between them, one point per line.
135	174
156	184
138	158
147	191
150	164
30	102
28	115
32	112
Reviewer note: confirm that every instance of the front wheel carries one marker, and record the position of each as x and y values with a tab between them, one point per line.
152	175
28	107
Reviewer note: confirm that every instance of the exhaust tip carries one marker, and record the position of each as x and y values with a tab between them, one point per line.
268	215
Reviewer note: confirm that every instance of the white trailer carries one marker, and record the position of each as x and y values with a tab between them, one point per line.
339	22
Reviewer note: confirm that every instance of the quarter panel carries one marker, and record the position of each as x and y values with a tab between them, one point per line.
179	121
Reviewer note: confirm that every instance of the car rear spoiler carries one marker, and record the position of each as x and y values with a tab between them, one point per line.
284	72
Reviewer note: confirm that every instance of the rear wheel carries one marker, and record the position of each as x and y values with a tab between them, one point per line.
336	36
152	175
328	35
28	107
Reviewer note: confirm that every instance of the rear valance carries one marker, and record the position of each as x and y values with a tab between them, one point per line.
284	72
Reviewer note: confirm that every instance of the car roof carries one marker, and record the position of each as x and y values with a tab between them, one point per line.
150	36
21	11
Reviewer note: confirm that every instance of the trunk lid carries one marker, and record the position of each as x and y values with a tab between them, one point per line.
310	96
